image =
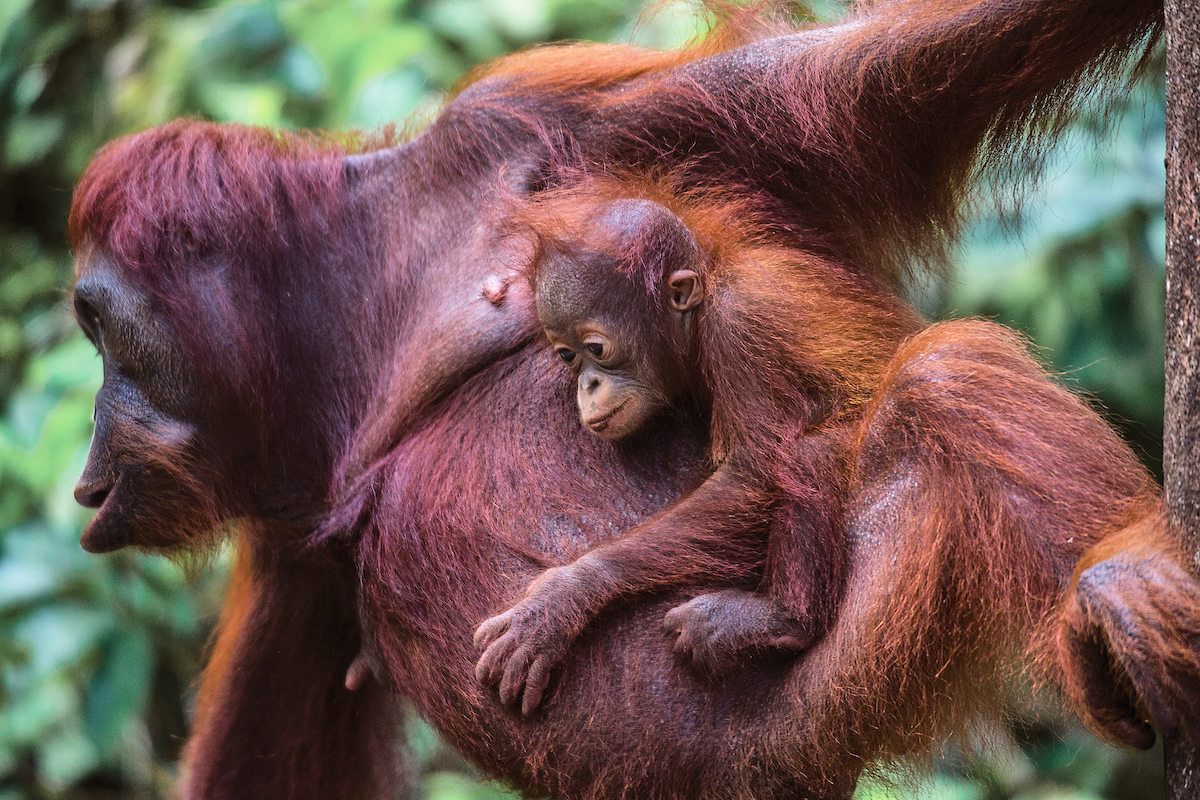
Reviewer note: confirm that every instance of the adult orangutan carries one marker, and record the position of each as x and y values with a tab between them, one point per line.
327	355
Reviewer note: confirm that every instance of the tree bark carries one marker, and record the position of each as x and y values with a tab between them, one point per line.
1181	441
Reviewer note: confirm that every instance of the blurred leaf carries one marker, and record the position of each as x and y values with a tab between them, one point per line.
1056	793
50	41
33	713
386	51
72	364
55	430
10	12
456	786
37	276
942	787
247	37
30	138
467	23
27	413
11	339
21	581
252	104
119	689
301	73
60	509
65	757
29	87
57	635
670	24
520	20
388	98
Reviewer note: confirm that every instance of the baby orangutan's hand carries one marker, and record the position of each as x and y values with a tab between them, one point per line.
522	645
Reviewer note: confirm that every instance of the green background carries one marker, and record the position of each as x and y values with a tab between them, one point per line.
98	654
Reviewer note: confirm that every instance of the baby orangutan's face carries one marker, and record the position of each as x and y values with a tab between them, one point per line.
615	395
629	345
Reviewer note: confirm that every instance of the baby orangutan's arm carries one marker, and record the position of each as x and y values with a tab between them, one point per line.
718	532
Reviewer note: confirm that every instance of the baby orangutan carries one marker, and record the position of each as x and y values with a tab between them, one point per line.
644	316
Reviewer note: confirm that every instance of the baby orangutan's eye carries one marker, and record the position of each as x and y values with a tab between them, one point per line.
566	354
596	349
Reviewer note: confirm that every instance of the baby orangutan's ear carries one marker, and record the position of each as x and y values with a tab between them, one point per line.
685	290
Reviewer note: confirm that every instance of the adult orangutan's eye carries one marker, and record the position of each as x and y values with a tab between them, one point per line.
89	320
566	354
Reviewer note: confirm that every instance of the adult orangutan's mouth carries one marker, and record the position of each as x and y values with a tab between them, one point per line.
600	423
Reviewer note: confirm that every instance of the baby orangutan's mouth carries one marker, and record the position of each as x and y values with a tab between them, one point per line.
600	423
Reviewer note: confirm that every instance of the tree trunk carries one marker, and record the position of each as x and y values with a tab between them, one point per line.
1181	440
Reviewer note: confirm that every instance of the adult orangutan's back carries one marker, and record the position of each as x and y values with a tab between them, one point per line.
261	303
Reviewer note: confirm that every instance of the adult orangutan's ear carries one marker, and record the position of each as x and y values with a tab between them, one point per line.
685	290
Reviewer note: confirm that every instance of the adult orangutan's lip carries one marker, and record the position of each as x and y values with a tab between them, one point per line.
104	534
600	423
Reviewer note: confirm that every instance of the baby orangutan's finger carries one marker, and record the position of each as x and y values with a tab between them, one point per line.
535	684
493	661
514	674
490	629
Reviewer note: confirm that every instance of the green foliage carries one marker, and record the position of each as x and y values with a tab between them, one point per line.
95	650
1037	756
98	655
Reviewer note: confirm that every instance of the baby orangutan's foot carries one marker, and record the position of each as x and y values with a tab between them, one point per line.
713	632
